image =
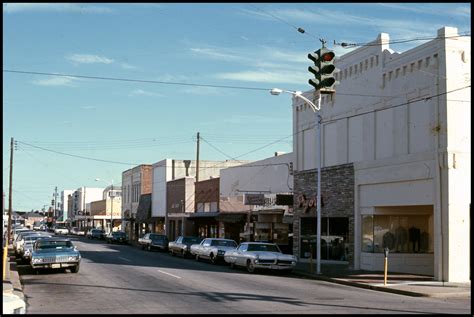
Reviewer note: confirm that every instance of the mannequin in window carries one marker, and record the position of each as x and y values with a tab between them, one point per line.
401	238
414	236
388	240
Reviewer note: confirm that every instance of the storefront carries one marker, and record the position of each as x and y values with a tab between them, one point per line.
337	214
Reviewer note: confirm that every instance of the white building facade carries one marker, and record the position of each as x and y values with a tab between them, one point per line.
399	125
65	213
81	199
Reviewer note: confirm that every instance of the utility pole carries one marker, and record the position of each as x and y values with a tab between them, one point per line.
9	227
55	202
197	159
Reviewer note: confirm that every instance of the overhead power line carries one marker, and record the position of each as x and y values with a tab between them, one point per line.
133	80
350	45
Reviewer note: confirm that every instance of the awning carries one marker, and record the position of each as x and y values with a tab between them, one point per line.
204	214
144	208
232	217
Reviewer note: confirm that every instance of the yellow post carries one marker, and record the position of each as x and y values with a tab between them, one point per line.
385	272
5	252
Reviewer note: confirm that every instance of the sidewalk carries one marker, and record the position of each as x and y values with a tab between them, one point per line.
399	283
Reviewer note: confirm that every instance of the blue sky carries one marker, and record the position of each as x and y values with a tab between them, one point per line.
228	44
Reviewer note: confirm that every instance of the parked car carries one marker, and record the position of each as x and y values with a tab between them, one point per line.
212	249
73	231
55	253
152	241
19	239
80	232
61	230
182	245
27	248
96	234
13	304
258	255
116	236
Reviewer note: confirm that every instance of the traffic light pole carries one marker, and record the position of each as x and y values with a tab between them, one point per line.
318	201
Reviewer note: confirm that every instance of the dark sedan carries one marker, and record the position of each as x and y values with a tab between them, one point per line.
116	236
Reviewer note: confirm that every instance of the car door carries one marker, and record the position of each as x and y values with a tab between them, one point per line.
205	247
240	258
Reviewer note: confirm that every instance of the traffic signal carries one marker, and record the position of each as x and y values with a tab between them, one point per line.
323	70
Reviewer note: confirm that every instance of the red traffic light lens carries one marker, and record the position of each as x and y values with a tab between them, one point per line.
327	57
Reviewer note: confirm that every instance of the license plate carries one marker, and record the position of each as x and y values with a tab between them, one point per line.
55	266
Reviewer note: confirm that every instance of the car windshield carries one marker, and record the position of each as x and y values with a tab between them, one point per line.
263	247
224	243
48	244
157	237
191	240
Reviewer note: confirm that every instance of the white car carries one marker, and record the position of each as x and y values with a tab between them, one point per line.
212	249
61	230
13	304
260	255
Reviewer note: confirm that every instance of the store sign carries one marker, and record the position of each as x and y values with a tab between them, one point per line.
284	199
254	199
308	203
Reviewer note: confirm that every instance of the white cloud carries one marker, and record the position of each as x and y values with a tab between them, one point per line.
262	76
141	92
206	91
54	7
89	59
55	81
127	66
216	54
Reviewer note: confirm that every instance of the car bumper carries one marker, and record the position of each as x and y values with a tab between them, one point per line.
54	265
274	266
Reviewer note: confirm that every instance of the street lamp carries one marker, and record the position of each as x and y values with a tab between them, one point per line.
315	108
111	200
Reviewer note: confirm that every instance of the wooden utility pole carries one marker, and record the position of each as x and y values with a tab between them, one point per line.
9	227
10	194
197	159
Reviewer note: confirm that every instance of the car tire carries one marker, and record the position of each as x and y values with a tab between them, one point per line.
250	266
197	257
75	269
149	248
172	253
183	253
232	265
213	259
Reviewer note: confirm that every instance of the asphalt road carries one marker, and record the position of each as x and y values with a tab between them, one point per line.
122	279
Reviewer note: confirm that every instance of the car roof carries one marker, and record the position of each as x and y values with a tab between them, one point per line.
258	243
56	239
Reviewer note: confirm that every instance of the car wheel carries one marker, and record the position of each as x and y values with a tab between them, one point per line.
149	247
197	257
250	266
75	269
232	265
213	259
183	253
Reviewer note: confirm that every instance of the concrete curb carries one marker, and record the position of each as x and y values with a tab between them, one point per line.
381	288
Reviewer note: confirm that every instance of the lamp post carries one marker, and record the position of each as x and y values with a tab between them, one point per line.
315	108
111	200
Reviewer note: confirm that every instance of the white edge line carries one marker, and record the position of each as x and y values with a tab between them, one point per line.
168	274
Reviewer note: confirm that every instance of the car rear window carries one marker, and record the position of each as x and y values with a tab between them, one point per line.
191	240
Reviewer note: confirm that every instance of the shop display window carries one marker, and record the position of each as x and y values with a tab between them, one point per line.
400	233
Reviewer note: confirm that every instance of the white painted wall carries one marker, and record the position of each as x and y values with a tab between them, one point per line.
405	151
270	175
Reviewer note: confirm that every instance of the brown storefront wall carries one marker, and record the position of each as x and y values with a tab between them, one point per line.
337	192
